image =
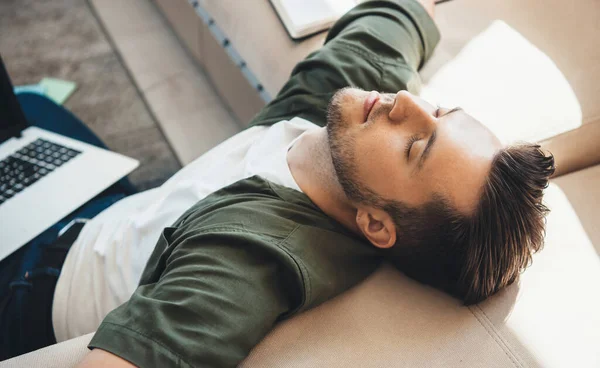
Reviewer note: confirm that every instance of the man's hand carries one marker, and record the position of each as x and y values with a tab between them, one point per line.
429	5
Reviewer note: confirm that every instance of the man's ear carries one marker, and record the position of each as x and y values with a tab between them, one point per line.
377	226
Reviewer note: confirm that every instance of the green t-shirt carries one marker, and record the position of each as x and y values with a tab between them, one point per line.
255	253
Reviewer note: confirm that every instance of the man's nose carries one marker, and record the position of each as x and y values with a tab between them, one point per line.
410	109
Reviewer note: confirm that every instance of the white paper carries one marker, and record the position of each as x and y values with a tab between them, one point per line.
305	13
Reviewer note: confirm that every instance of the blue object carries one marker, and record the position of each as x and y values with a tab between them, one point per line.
32	88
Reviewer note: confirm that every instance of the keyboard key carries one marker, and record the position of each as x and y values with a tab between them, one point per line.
29	168
18	187
29	164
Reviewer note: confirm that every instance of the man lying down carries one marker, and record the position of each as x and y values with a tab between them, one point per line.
344	169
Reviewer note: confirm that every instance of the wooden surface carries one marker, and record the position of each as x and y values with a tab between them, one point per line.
63	39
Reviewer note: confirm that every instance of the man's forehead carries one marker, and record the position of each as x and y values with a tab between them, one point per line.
459	168
470	133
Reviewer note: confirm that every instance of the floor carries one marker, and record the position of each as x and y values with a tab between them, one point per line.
64	39
184	102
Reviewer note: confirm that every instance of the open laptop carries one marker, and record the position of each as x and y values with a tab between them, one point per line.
45	176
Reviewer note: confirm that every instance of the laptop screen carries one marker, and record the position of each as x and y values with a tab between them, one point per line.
12	120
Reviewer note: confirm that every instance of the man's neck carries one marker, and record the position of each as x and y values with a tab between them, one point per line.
310	163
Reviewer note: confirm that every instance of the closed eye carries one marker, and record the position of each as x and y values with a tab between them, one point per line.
409	145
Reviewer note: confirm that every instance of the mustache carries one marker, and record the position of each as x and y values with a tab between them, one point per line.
384	107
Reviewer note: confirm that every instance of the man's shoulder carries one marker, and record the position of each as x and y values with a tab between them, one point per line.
330	258
255	205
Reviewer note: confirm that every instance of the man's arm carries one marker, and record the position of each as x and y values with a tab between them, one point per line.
379	45
206	299
429	6
99	358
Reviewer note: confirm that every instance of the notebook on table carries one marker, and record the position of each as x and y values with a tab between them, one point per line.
303	18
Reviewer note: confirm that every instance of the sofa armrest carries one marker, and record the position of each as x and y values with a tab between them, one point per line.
66	354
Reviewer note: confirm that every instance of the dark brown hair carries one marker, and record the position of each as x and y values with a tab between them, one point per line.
472	257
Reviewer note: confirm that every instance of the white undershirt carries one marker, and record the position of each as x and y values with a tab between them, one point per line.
104	265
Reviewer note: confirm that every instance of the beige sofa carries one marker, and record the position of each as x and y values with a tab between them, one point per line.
550	319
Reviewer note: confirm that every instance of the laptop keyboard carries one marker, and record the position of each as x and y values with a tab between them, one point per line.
30	164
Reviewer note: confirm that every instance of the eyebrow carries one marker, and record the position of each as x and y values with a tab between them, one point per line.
427	149
453	110
431	141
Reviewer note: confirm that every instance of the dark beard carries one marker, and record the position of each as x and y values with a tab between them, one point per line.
341	146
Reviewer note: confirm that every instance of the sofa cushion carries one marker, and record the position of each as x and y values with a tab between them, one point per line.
66	354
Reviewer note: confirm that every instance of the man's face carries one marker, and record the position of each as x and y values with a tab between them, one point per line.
402	148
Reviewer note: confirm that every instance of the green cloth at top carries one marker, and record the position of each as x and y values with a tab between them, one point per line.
255	253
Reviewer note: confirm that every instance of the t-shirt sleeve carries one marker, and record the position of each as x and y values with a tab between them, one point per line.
205	300
378	45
